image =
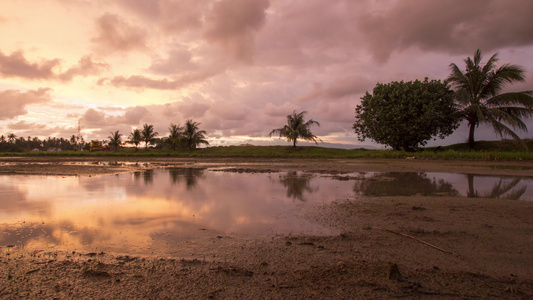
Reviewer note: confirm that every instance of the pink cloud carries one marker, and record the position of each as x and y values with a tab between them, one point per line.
232	24
14	102
115	35
16	65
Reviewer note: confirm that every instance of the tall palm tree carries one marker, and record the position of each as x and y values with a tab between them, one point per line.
297	128
193	135
478	96
135	137
11	138
175	135
148	134
115	139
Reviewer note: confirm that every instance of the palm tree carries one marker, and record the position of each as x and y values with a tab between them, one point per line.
478	96
135	137
11	138
115	139
297	128
148	135
193	135
175	135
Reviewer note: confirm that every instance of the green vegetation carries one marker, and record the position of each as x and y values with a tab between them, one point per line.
405	115
493	150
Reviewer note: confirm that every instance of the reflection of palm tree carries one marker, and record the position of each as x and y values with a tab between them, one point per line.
147	175
297	184
403	184
498	190
191	176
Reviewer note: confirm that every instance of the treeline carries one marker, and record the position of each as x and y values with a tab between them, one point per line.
187	137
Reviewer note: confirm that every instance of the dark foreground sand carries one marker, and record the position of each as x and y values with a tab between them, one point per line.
390	247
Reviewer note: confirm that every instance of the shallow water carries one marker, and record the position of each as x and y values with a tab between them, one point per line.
164	210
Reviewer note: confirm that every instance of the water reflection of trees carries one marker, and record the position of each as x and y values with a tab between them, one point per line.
296	184
501	189
403	184
189	175
146	175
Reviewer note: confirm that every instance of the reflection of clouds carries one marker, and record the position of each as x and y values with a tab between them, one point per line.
26	233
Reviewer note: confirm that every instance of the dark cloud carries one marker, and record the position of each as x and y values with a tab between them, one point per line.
454	26
232	24
116	35
14	102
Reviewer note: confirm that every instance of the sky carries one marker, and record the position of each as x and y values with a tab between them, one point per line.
237	67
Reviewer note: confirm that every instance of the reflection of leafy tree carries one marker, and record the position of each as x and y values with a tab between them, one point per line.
296	184
147	176
403	184
191	176
498	190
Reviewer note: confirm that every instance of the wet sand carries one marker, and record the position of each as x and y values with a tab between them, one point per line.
413	247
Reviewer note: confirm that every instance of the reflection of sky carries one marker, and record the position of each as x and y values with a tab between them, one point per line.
133	212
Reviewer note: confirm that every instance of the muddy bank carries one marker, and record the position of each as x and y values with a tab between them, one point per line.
409	246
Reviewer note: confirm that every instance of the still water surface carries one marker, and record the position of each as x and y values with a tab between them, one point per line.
159	211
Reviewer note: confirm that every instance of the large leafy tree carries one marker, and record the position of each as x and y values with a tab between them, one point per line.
297	128
175	136
148	134
405	115
193	136
115	139
478	95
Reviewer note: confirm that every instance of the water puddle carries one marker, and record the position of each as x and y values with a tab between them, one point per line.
169	211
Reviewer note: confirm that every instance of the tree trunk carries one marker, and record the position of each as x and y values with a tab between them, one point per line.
471	135
294	143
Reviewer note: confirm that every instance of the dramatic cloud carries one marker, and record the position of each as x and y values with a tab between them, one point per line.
232	24
449	26
238	67
14	102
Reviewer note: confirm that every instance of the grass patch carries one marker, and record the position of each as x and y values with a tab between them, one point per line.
485	150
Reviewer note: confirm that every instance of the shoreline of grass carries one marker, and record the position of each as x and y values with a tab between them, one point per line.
485	152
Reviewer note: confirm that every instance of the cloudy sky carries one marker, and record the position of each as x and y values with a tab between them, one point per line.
238	67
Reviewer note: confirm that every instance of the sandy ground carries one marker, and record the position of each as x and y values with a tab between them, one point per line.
390	247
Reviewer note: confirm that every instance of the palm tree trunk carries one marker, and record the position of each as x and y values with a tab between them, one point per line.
294	143
471	135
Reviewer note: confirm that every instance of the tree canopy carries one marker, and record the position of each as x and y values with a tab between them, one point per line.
148	134
405	115
297	128
193	135
477	93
